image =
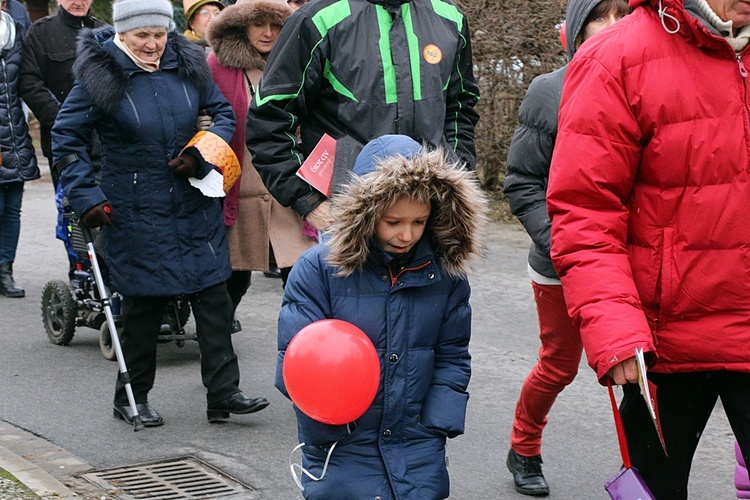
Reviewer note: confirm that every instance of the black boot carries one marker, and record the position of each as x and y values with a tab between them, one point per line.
527	474
7	285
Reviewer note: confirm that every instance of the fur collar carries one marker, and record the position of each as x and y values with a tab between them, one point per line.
228	37
104	70
459	210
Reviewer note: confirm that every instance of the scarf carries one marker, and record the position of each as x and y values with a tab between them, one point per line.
144	65
231	82
7	31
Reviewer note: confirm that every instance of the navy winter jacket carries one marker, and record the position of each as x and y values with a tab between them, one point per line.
19	159
398	448
417	314
167	238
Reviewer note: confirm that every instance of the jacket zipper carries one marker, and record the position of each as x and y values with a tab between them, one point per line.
743	71
135	110
402	271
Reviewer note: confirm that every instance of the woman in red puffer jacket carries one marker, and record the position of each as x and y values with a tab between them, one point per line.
648	193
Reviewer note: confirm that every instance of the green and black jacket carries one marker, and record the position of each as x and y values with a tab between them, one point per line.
362	68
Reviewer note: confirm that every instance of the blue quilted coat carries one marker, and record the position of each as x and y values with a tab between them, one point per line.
167	238
19	159
419	319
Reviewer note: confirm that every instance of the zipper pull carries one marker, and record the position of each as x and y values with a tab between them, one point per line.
743	71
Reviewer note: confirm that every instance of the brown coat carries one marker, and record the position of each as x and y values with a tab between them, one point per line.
260	220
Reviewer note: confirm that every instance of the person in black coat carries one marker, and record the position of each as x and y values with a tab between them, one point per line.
141	86
47	68
334	77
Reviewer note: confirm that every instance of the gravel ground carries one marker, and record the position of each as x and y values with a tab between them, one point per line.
11	489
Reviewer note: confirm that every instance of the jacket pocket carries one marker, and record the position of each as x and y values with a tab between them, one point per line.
58	70
665	283
63	56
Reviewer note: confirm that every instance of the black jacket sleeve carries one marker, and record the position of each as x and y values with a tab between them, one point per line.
462	96
530	155
32	86
290	80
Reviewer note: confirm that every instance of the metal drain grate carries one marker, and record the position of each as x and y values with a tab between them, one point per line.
184	478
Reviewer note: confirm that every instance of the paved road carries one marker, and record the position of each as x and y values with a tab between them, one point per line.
63	394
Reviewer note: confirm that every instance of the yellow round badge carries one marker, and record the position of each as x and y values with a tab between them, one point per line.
432	54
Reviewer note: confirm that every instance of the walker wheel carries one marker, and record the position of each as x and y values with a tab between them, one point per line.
58	312
105	341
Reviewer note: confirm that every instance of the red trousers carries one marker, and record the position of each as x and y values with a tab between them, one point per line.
559	357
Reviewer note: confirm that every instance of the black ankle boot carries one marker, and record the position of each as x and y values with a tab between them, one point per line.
527	474
7	284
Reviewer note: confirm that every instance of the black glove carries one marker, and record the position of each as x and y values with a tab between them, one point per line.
98	215
185	165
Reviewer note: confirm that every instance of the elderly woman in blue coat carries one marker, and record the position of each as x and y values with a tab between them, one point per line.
141	87
406	226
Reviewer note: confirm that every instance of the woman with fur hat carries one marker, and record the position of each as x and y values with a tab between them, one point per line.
199	14
141	87
405	228
242	38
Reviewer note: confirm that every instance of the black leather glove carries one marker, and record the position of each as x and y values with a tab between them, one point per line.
185	165
98	215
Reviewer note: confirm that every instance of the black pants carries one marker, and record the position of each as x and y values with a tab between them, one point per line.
212	310
686	401
239	282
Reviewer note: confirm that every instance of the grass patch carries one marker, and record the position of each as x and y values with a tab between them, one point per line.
4	474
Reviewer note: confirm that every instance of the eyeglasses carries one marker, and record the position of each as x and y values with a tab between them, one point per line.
207	12
297	2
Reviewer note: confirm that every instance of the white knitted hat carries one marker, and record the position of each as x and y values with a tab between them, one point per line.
134	14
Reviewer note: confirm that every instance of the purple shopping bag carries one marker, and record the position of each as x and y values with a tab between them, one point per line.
628	483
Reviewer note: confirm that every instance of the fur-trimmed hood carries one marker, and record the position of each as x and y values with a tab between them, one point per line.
103	69
458	205
227	34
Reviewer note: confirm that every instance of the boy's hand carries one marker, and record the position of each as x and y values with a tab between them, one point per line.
320	217
185	165
98	215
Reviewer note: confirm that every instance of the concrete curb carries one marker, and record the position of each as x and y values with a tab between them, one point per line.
46	469
32	476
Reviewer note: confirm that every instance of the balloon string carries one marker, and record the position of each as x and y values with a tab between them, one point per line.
293	466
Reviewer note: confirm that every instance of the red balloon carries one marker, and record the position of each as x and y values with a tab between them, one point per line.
331	371
563	39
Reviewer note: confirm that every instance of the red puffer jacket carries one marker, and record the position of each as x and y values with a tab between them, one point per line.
649	194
